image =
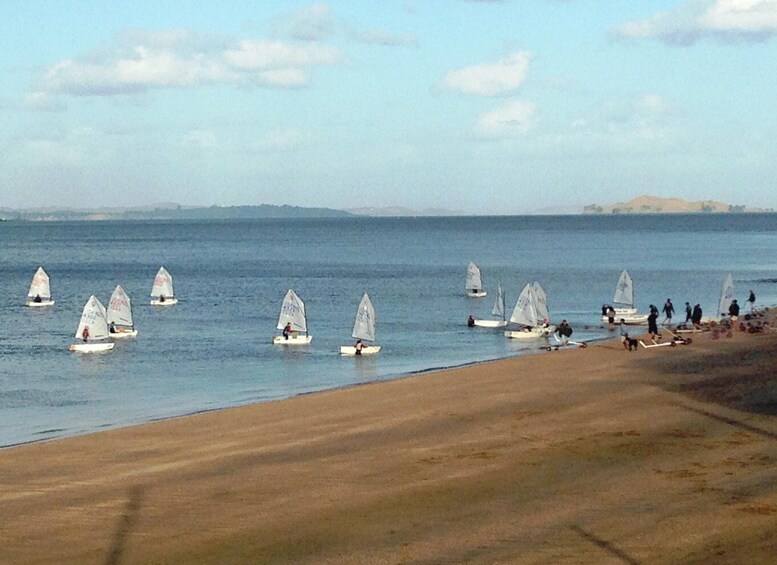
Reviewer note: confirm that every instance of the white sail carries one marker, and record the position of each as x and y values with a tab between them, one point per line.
473	277
293	312
93	317
726	296
624	290
119	308
40	285
540	302
525	311
163	284
499	304
364	325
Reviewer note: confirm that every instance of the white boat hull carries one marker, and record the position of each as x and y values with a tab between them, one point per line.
33	304
292	340
350	350
93	347
533	333
165	302
476	293
123	334
490	323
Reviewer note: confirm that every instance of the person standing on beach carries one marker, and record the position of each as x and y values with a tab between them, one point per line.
696	316
688	312
652	325
733	310
751	300
668	311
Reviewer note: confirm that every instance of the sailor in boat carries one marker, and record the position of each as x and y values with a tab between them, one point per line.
161	298
359	346
610	315
287	330
85	334
112	328
37	298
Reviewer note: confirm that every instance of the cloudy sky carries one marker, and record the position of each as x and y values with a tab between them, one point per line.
482	106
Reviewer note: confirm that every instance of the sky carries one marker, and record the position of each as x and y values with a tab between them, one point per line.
483	107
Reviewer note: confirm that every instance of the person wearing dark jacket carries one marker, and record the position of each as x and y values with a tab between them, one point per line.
696	315
652	325
733	310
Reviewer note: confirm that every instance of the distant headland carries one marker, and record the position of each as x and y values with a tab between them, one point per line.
658	205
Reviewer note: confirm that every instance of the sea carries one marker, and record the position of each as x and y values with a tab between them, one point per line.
213	349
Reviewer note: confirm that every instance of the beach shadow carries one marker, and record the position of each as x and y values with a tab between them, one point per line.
605	545
126	522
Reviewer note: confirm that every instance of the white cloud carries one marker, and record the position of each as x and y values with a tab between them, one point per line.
490	79
310	23
140	61
42	102
513	118
725	20
383	37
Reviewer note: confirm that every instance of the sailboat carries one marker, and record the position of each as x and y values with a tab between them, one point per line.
363	329
623	302
498	310
162	291
92	329
119	315
726	296
474	284
40	290
292	315
530	312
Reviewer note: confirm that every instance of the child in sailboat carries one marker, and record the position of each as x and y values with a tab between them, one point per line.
287	330
359	346
85	334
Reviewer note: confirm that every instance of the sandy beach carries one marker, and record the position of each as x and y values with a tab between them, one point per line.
595	455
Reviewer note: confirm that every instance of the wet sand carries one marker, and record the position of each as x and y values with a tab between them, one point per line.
596	455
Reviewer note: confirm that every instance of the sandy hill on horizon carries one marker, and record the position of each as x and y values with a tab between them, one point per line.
655	204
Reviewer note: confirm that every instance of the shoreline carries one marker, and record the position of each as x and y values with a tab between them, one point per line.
582	455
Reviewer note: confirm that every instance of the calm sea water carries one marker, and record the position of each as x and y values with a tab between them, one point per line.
213	349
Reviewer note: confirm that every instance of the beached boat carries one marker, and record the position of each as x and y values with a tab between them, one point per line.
40	290
474	284
293	321
119	314
623	302
531	314
363	330
726	297
162	290
498	310
92	329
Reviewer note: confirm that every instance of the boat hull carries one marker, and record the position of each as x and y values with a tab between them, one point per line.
350	350
476	293
534	333
292	340
490	323
42	303
166	302
123	334
94	347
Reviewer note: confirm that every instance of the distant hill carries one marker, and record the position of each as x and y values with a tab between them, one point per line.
658	205
171	212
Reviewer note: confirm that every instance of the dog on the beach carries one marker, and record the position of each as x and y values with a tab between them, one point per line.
629	343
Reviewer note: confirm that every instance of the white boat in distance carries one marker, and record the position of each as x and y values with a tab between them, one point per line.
92	329
293	314
623	302
474	284
162	290
40	290
119	315
531	312
363	329
498	310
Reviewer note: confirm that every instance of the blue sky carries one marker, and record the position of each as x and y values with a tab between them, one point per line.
488	107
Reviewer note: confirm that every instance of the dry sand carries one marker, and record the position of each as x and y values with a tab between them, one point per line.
595	455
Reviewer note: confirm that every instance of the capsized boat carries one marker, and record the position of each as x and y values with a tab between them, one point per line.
162	290
498	310
40	290
363	330
119	314
293	314
474	284
92	329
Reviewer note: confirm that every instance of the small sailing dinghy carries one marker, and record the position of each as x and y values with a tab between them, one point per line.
363	330
293	322
530	313
498	310
162	291
474	285
40	290
623	302
726	297
92	329
119	315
